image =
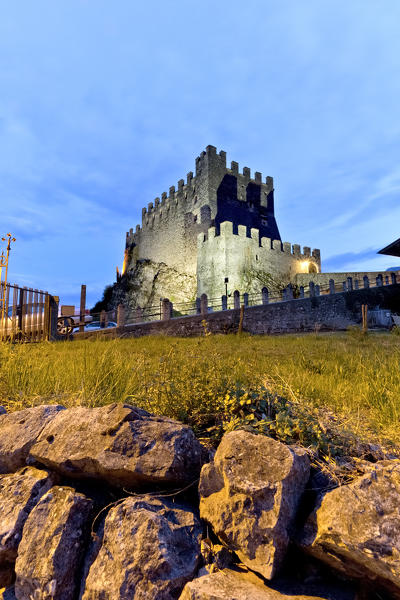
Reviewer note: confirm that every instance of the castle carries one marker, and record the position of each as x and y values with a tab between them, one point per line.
215	233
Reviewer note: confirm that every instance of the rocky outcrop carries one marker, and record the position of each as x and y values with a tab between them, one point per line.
19	493
120	444
147	282
149	549
228	585
356	527
239	584
250	493
149	543
19	431
50	551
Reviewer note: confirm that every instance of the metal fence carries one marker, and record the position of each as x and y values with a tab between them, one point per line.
166	310
26	314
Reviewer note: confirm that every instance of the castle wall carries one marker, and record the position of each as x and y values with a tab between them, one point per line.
167	224
246	260
170	225
245	239
322	279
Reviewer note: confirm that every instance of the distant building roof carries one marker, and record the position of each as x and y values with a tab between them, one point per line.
392	250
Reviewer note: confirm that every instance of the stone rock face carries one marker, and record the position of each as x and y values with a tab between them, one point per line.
250	493
231	585
356	527
121	444
50	551
147	282
19	493
18	431
149	550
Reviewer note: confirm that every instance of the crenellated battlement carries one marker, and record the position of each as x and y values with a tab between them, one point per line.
207	160
227	230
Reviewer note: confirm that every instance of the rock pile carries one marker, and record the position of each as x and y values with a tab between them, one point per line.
101	504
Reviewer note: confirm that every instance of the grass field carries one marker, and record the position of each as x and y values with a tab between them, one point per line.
348	379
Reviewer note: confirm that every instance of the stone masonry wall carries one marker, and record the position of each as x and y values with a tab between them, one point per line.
244	260
322	279
330	312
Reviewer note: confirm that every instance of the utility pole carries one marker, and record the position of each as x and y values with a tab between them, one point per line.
4	265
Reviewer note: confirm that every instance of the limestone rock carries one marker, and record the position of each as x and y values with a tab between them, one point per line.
50	551
18	431
120	444
147	282
19	493
250	493
150	548
231	585
356	527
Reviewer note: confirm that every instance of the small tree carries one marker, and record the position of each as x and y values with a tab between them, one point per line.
104	303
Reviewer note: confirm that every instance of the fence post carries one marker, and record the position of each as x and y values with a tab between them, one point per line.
165	310
344	285
224	300
204	304
366	281
19	311
393	278
246	299
312	289
317	290
198	306
54	300
331	286
349	284
364	313
236	299
386	279
289	292
379	280
264	294
241	318
46	325
120	315
102	320
82	308
356	284
302	291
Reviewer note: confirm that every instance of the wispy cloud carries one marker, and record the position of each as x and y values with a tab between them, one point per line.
95	122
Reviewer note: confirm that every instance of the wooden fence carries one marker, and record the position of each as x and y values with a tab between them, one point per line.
27	315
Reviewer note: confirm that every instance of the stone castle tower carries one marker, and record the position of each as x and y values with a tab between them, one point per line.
218	224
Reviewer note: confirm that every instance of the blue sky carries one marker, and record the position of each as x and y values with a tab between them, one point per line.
104	105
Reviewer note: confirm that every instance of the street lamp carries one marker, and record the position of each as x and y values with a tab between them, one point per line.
4	264
226	289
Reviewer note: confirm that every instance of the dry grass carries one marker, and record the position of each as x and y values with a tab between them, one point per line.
356	378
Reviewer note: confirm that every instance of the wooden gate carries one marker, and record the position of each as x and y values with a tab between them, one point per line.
27	315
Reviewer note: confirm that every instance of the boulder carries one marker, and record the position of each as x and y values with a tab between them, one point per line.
50	552
250	493
19	493
232	585
120	444
148	549
355	528
18	431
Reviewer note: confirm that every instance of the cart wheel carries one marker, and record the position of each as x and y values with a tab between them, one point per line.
65	326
